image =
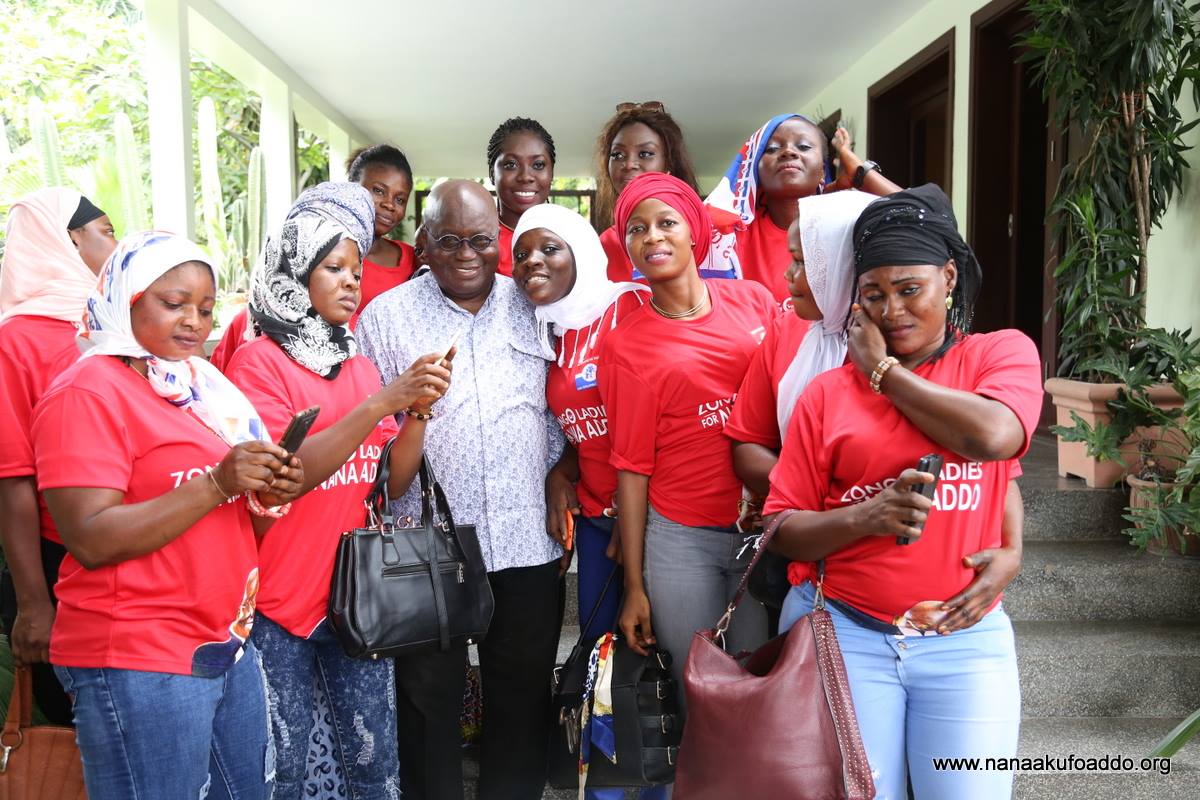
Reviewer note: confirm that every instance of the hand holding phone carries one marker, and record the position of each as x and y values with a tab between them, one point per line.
298	429
449	347
931	464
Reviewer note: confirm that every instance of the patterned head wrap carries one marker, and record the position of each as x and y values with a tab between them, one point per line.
279	303
193	385
675	193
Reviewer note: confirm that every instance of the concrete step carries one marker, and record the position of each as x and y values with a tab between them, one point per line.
1108	669
1059	514
1096	737
1102	580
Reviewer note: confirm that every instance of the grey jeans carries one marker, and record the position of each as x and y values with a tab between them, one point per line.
691	575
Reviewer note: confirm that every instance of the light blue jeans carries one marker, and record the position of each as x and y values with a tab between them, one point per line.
918	698
154	735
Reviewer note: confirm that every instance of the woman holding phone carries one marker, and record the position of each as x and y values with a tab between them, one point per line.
929	678
149	459
306	289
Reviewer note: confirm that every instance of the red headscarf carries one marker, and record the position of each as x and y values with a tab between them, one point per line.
675	193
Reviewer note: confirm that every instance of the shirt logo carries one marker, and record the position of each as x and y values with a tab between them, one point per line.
585	378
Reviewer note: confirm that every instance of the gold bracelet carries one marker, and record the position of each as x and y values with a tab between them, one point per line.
418	414
880	370
213	478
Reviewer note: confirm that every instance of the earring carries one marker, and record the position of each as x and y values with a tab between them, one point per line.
949	302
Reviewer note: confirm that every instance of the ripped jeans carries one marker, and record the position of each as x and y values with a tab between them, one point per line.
362	696
151	735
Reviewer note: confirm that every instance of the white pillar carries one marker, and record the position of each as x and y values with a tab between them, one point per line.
339	150
170	114
277	138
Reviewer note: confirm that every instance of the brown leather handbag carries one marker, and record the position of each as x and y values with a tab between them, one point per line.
37	763
776	723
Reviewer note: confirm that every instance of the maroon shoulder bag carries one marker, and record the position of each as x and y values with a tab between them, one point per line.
776	723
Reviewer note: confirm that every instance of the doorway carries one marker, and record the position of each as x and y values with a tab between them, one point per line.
1013	170
910	117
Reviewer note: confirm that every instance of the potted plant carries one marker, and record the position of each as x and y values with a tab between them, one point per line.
1164	506
1117	71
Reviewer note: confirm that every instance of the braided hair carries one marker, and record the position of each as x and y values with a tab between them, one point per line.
516	125
377	154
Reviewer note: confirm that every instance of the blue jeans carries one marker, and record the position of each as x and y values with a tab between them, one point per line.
923	697
154	735
362	695
592	535
690	576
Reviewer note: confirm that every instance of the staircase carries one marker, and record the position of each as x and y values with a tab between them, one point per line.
1108	643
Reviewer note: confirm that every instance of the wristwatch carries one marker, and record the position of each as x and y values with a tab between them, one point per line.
860	174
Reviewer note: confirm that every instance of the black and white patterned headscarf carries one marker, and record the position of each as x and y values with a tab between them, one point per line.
279	303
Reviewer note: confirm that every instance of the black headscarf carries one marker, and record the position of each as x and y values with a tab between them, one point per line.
917	226
85	213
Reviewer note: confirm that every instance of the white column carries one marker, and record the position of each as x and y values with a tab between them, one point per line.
170	114
339	150
278	141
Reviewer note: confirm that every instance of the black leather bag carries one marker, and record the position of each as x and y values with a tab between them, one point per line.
404	590
645	717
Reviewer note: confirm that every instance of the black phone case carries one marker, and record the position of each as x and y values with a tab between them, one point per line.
932	464
298	428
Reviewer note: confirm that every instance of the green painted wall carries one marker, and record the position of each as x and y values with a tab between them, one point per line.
1174	281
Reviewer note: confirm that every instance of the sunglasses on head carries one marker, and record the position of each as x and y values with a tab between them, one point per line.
649	105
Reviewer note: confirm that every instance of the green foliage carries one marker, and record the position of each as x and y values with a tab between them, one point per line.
212	205
1177	738
132	205
1118	71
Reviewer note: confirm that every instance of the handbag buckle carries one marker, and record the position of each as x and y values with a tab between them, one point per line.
660	690
672	752
8	748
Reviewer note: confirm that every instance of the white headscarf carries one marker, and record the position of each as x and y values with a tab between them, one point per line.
43	274
592	293
827	237
195	386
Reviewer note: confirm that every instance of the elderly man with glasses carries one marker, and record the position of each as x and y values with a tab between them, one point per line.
491	442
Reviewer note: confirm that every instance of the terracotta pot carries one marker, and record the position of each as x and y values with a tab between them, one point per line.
1089	401
1175	540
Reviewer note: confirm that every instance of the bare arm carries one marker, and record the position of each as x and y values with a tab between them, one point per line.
99	529
812	535
633	502
971	425
561	497
873	182
20	535
994	568
752	463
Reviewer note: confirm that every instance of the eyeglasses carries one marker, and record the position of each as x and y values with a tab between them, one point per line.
479	242
649	105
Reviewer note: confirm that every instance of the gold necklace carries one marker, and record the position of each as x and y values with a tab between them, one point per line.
681	314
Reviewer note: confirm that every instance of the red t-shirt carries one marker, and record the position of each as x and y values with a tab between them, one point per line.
846	444
185	608
233	337
505	244
620	268
755	419
669	386
573	394
33	352
763	252
377	279
296	554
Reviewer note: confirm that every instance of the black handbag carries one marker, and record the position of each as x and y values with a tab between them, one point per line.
403	590
645	716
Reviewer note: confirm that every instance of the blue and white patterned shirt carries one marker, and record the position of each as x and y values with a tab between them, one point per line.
491	439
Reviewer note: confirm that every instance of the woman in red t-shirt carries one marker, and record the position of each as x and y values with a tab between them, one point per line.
786	159
917	384
302	299
559	264
55	244
144	452
520	161
668	377
639	138
384	171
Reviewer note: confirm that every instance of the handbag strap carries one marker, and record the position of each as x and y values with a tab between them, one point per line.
378	509
856	770
20	714
599	602
768	534
439	592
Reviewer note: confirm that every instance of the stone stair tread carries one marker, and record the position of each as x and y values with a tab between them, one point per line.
1094	737
1116	638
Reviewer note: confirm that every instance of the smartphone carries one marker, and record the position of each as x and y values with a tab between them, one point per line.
932	464
449	347
298	428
